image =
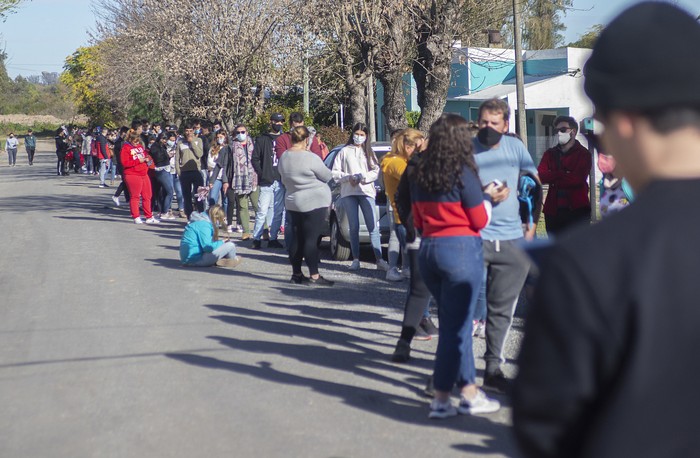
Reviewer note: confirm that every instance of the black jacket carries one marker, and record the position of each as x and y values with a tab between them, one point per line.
609	364
403	199
160	155
224	162
265	160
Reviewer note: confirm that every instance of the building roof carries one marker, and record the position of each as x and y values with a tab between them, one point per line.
504	89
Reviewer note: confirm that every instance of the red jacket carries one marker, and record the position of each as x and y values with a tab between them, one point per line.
567	175
130	159
284	142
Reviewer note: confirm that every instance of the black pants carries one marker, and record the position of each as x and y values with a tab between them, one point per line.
417	299
30	154
307	230
565	218
61	164
191	180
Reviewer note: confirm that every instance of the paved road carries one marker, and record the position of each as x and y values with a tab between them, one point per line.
108	348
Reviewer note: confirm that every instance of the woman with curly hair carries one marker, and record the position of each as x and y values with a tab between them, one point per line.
449	210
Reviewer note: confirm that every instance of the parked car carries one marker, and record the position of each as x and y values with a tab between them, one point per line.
338	227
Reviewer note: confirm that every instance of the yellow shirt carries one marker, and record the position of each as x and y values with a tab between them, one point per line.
393	167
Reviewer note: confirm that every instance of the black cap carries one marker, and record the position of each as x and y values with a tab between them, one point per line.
277	117
647	58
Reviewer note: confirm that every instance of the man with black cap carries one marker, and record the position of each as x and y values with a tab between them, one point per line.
609	364
271	199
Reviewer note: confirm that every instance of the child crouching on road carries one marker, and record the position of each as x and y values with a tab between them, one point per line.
200	245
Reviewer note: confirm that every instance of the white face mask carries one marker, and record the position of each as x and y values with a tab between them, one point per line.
564	137
220	141
359	139
240	137
171	143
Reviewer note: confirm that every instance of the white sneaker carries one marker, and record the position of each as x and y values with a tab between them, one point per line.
480	404
439	410
167	216
383	265
355	265
152	220
229	229
115	200
393	275
406	272
138	220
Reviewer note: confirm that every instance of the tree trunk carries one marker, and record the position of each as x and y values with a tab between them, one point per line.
394	108
358	102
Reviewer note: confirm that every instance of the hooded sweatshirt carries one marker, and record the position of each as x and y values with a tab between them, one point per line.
198	238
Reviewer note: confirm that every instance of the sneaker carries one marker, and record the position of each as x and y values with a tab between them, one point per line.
355	265
299	279
246	237
239	229
402	352
152	220
427	325
421	334
229	262
229	229
183	214
480	404
265	234
274	244
479	329
393	274
406	272
115	200
256	245
439	410
167	216
102	185
320	281
496	382
138	220
383	265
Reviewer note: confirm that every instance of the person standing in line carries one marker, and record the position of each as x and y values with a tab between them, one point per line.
501	159
187	163
62	146
11	145
118	143
86	152
284	142
608	365
163	189
134	161
565	168
449	210
102	155
219	148
271	200
393	166
30	146
307	198
171	143
356	168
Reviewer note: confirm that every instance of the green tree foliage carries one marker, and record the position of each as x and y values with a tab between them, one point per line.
542	24
588	39
8	7
82	69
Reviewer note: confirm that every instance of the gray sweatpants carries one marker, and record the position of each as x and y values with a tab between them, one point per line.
506	271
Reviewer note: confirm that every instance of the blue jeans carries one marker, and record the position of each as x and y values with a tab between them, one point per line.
215	192
104	163
352	206
226	250
177	187
480	312
165	198
453	269
270	208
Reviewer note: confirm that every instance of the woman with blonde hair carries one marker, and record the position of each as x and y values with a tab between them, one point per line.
200	245
135	162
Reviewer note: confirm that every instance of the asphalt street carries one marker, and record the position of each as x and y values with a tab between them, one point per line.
109	348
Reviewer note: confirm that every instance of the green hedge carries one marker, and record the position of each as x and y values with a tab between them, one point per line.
41	129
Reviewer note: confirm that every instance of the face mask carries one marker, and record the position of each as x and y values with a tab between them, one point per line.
216	129
240	137
359	139
171	143
564	137
220	141
488	136
277	127
197	131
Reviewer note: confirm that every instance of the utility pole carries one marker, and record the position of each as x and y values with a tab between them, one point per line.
519	74
370	109
306	83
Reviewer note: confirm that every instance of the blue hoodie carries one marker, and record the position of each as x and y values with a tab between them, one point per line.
197	238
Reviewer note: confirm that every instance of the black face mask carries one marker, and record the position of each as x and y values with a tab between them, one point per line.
488	136
277	128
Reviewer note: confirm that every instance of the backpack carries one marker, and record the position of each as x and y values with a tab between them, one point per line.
530	198
94	148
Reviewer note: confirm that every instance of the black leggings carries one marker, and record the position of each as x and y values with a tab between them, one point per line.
416	301
307	229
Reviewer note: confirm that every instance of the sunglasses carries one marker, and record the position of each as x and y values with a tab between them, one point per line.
240	132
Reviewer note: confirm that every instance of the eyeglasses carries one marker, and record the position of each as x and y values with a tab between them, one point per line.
240	132
564	130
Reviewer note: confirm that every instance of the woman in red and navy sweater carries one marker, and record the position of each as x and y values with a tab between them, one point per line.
135	162
449	209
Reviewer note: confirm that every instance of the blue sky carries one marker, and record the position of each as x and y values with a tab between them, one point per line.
44	32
